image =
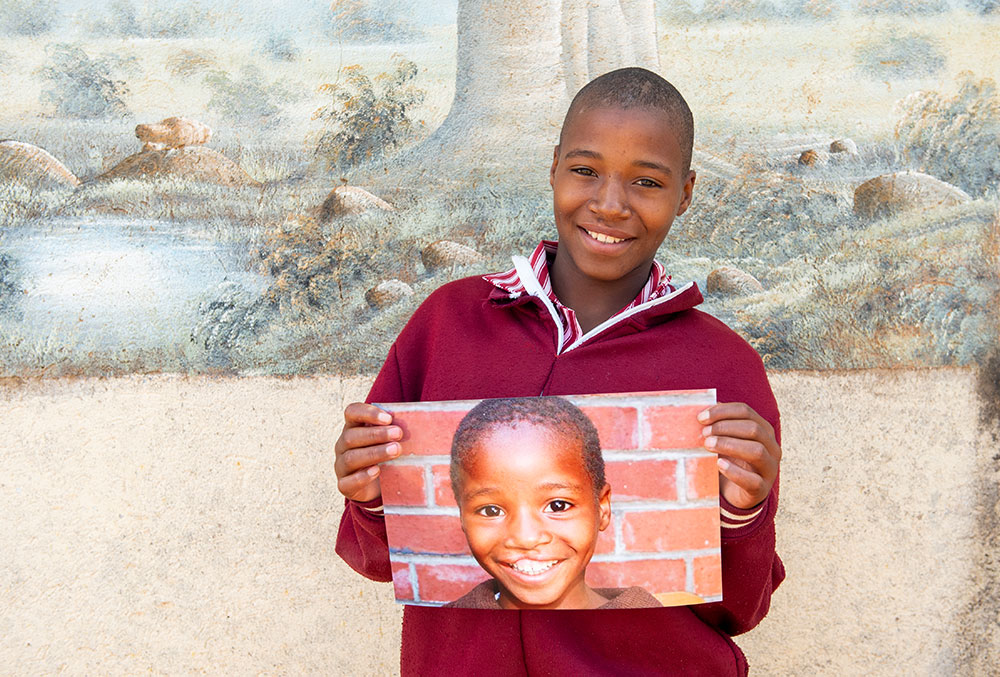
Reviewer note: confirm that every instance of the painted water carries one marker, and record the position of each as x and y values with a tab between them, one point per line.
101	284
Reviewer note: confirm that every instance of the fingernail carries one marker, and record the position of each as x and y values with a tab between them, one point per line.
706	431
395	433
393	450
711	441
723	464
373	471
384	418
703	416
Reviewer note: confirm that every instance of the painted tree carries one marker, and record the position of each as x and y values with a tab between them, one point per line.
517	66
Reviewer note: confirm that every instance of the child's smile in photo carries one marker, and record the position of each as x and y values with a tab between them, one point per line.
532	516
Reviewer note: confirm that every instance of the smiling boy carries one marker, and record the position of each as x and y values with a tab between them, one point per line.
528	477
593	313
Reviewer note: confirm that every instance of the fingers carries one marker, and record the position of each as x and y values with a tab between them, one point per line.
754	487
368	438
748	453
739	421
755	454
361	485
730	411
359	413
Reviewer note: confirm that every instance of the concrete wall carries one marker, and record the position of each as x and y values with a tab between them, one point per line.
171	525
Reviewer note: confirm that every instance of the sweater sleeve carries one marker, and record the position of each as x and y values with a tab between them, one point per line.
361	538
751	571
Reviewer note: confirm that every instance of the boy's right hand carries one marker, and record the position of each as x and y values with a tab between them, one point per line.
368	439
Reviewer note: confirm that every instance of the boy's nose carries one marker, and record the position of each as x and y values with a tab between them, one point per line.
527	531
610	201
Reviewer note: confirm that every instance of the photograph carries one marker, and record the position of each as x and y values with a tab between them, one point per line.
580	502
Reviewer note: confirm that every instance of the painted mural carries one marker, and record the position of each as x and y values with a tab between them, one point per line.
212	187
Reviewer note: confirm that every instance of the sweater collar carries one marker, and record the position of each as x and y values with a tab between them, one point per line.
528	282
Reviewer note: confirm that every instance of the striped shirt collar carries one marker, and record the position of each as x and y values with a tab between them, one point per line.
510	282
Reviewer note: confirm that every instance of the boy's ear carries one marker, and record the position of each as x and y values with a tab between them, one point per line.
552	169
604	504
686	193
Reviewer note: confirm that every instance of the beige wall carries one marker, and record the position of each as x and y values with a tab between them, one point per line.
172	525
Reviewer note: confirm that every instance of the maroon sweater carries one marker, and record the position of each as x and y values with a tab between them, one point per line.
469	341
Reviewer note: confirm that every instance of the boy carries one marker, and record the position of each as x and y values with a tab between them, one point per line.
592	314
528	477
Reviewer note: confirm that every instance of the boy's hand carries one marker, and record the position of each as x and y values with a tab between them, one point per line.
748	453
367	440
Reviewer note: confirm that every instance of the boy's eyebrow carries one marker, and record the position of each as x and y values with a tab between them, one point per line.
549	486
479	492
546	486
648	164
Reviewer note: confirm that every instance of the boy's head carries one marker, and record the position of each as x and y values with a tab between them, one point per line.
620	176
637	88
528	478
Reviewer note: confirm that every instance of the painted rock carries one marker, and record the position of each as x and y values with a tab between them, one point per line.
344	200
175	132
844	145
904	191
33	167
809	158
732	281
445	253
387	292
194	162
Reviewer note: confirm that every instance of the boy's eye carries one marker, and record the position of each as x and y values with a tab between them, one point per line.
648	183
584	171
489	511
558	505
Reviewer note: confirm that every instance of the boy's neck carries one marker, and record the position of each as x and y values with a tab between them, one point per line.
594	301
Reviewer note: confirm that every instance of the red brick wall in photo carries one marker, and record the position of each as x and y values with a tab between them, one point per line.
664	532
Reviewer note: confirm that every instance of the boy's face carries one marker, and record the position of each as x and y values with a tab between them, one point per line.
618	181
531	516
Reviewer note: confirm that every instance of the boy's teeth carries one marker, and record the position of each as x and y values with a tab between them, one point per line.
531	567
601	237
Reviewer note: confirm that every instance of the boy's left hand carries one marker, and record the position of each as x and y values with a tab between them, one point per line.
748	453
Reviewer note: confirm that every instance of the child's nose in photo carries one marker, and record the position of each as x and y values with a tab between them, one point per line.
527	531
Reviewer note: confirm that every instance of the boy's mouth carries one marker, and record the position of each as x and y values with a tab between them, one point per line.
604	237
531	567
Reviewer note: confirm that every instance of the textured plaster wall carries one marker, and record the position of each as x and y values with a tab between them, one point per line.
171	525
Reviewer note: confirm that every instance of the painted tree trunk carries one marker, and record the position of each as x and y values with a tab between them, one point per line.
518	65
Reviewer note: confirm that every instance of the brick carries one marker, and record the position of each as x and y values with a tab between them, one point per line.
437	534
447	582
702	477
616	426
402	484
654	575
637	480
708	575
674	427
428	432
442	486
606	540
670	530
401	583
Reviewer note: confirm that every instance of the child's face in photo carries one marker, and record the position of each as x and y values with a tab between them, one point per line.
531	517
618	181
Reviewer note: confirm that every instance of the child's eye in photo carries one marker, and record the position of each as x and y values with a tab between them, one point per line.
558	505
490	511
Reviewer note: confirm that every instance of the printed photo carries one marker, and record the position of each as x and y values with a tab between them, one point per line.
576	502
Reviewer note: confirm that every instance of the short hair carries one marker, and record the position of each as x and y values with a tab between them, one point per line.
634	87
554	414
